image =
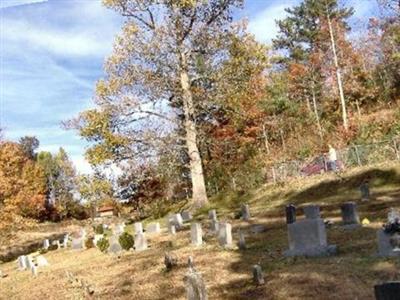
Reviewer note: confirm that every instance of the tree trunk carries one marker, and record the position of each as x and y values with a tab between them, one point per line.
199	192
338	74
321	135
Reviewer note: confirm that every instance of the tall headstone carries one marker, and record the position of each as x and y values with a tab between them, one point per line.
186	216
196	234
214	226
312	211
22	263
212	215
308	238
138	227
225	234
153	228
290	214
387	291
115	247
46	244
350	214
258	276
140	242
28	262
245	212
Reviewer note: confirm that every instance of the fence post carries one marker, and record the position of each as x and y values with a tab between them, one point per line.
358	156
396	150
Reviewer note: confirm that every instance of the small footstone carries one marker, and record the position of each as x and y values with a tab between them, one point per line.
196	234
34	270
258	276
22	263
170	261
387	291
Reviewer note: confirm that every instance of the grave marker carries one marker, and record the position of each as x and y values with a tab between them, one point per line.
225	235
212	215
242	241
138	227
349	213
387	291
245	212
22	263
258	277
290	214
140	242
195	287
196	234
46	244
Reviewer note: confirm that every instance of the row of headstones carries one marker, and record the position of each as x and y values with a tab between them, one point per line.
308	237
28	262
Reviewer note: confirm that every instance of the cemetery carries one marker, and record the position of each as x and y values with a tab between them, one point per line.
294	242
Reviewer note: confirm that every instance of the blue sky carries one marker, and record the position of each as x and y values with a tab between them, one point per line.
52	53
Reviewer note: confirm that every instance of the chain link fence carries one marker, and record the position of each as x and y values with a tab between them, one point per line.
350	157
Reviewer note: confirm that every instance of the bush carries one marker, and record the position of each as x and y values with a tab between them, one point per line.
99	229
89	243
126	241
103	244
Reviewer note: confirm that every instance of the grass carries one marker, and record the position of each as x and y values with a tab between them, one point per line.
350	274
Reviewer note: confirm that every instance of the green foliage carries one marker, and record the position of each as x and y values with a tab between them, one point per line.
126	240
103	244
98	229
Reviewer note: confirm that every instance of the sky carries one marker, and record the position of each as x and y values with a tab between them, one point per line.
52	53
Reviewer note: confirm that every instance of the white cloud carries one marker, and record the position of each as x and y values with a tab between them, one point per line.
263	24
9	3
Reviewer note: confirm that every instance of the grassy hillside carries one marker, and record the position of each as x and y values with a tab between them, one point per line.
350	274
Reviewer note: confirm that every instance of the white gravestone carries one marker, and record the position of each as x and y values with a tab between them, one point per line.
138	227
225	234
196	234
140	242
22	263
46	244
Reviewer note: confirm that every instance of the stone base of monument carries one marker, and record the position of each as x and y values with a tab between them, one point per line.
385	248
308	238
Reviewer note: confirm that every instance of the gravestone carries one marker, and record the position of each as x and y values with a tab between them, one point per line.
196	234
212	215
78	243
214	226
140	242
349	213
171	229
385	245
115	247
153	228
65	241
170	261
312	211
258	276
138	227
387	291
41	261
46	244
34	270
245	212
393	215
22	263
186	216
290	214
308	238
176	220
242	241
28	262
364	190
195	287
225	234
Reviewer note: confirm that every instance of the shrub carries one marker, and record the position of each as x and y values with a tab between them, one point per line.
126	241
89	243
52	247
99	229
43	251
103	244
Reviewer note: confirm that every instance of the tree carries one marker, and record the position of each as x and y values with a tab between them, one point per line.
165	48
29	144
